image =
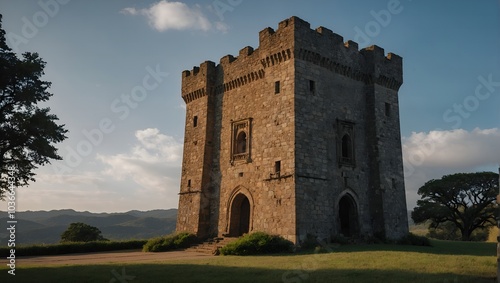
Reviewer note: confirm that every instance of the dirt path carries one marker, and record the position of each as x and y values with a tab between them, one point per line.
108	257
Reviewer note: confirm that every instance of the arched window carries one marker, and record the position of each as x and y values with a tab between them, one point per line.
345	143
241	143
241	136
347	148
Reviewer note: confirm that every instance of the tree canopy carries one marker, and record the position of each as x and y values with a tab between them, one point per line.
81	232
28	132
466	199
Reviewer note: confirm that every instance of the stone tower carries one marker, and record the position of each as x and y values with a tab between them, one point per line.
299	136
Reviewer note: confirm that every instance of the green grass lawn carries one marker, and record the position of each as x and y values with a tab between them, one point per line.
445	262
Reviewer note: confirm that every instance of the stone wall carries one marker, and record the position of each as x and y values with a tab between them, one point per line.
294	97
271	116
194	198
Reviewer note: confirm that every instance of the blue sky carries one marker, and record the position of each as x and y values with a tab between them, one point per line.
115	68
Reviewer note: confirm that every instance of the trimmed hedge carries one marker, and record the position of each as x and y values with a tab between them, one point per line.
73	247
170	242
257	243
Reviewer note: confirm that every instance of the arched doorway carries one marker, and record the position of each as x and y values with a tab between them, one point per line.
348	216
240	216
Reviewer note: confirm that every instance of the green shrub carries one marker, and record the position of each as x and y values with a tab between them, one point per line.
310	242
185	240
414	240
73	247
159	244
170	242
257	243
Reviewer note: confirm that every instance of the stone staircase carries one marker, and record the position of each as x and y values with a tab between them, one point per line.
211	246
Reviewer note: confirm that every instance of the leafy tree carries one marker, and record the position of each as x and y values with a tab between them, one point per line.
81	232
465	200
27	132
449	231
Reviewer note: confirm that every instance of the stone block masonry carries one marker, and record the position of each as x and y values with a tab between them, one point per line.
298	136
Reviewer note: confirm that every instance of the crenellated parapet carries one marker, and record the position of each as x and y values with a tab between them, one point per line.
198	82
294	39
383	70
231	73
327	49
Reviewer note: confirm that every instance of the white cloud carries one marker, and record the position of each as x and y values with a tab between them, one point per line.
154	163
163	146
129	11
144	177
166	15
221	27
428	156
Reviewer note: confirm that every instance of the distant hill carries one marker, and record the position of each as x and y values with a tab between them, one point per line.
46	227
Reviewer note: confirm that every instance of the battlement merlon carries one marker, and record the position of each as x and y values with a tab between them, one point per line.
387	69
202	69
289	25
199	81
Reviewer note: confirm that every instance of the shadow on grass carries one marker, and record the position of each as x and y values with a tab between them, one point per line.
208	273
438	247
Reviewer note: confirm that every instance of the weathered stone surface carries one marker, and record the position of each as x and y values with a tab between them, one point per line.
299	136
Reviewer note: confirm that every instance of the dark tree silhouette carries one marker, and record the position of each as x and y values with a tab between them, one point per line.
466	199
27	132
81	232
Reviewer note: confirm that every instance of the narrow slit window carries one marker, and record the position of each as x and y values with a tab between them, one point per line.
277	87
277	167
189	183
195	121
312	86
345	143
